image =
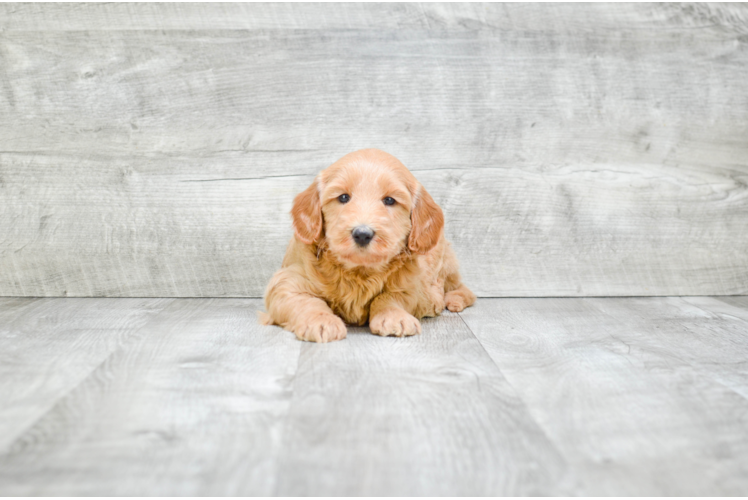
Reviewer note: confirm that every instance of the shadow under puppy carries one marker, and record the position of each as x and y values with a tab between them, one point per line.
368	245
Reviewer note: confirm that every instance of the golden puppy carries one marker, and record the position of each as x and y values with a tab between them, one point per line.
368	245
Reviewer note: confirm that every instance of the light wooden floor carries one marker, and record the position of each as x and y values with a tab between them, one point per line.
634	396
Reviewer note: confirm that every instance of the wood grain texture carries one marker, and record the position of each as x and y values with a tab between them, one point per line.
611	396
154	149
48	346
640	396
709	335
546	17
426	415
192	405
738	301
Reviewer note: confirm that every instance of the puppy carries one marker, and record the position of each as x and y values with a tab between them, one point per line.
368	245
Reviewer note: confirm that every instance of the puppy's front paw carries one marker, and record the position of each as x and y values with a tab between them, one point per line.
322	327
459	299
394	322
455	302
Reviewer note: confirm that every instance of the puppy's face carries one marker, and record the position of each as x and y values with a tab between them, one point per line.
368	207
366	210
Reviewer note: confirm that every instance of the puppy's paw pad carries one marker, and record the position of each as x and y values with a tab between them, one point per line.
395	322
324	327
455	302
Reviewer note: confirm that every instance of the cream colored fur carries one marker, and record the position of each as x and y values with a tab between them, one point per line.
407	272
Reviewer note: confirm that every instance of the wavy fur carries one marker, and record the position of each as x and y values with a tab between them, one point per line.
407	272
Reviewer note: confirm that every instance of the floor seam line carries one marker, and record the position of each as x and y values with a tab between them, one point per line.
685	362
699	370
518	395
9	448
286	418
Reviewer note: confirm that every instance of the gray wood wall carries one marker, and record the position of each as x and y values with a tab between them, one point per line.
155	149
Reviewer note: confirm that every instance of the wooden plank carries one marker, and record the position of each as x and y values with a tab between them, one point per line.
738	301
521	232
193	406
314	16
426	415
49	346
607	382
569	397
708	334
147	235
187	94
145	162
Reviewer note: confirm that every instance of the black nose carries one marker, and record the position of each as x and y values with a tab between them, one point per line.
362	235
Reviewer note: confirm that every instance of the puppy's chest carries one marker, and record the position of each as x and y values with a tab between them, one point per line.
351	297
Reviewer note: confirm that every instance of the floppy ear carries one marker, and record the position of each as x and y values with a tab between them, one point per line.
427	222
307	215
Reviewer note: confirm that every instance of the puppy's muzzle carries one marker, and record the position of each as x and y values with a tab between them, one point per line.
362	235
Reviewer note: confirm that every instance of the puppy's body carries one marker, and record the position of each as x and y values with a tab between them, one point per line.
406	271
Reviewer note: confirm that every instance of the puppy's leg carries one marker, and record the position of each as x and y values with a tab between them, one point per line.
458	299
291	305
457	296
387	316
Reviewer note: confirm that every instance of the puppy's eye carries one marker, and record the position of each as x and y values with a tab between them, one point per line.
344	198
389	201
